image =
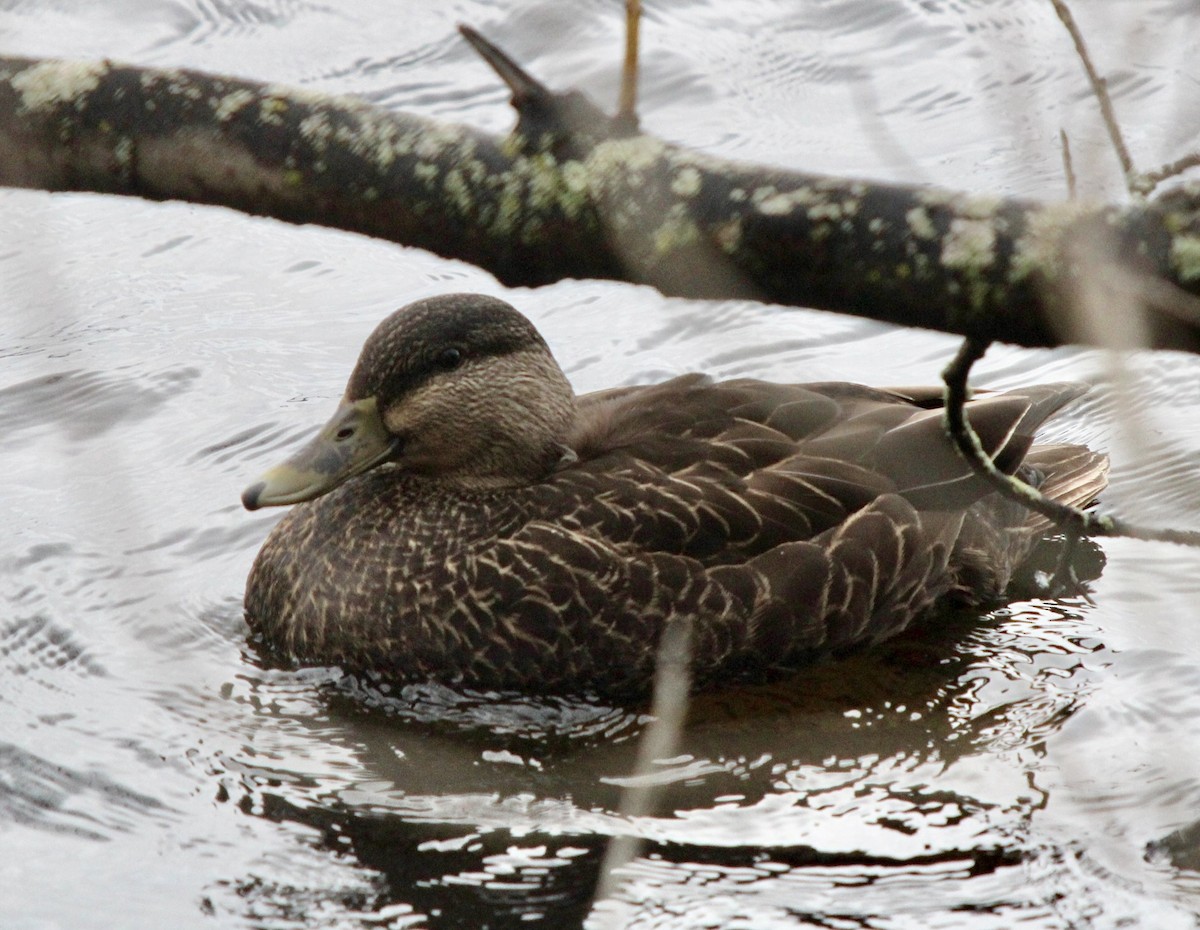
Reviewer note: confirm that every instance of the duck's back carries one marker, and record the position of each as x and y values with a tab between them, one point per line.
780	521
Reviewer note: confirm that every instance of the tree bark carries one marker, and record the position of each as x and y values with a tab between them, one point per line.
574	193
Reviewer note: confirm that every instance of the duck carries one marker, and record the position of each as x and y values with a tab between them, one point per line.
465	518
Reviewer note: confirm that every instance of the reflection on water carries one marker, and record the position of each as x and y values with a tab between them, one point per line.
1035	766
881	770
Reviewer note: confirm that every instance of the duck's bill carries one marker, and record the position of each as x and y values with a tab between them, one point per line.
352	442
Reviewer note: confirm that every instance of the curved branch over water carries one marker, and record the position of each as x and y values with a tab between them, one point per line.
1073	520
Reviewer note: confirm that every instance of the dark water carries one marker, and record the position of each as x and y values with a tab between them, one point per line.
1040	765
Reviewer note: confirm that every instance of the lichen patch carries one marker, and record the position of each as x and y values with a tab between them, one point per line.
969	244
316	129
635	154
686	183
920	223
728	235
1185	257
229	105
1039	248
676	231
434	140
125	151
772	202
379	141
50	83
271	110
311	97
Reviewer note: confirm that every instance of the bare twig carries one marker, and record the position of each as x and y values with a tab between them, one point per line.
1139	183
627	108
1070	519
1100	89
660	740
1171	169
1068	167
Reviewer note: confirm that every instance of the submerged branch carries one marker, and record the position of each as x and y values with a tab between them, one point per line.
576	193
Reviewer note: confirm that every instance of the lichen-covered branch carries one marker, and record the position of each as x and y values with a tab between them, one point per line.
573	193
289	154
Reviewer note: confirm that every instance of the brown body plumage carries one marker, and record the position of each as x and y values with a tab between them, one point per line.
511	536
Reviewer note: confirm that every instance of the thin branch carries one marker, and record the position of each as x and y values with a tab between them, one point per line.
1171	169
1100	89
1138	183
967	440
660	740
1070	519
627	108
1068	166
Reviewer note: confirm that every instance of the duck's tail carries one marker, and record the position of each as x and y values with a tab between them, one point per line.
1069	474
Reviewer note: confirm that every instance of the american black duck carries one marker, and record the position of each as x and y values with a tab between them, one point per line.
464	517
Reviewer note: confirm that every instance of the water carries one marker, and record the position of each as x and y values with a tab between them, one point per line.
1039	765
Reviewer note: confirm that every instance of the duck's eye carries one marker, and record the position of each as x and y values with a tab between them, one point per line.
449	359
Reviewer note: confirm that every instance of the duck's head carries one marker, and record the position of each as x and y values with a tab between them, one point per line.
459	388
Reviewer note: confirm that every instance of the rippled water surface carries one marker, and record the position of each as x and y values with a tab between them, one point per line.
1039	766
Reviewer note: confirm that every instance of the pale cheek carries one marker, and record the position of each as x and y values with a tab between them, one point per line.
433	421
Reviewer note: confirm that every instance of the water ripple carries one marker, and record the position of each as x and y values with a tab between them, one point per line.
31	645
50	796
85	405
985	772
